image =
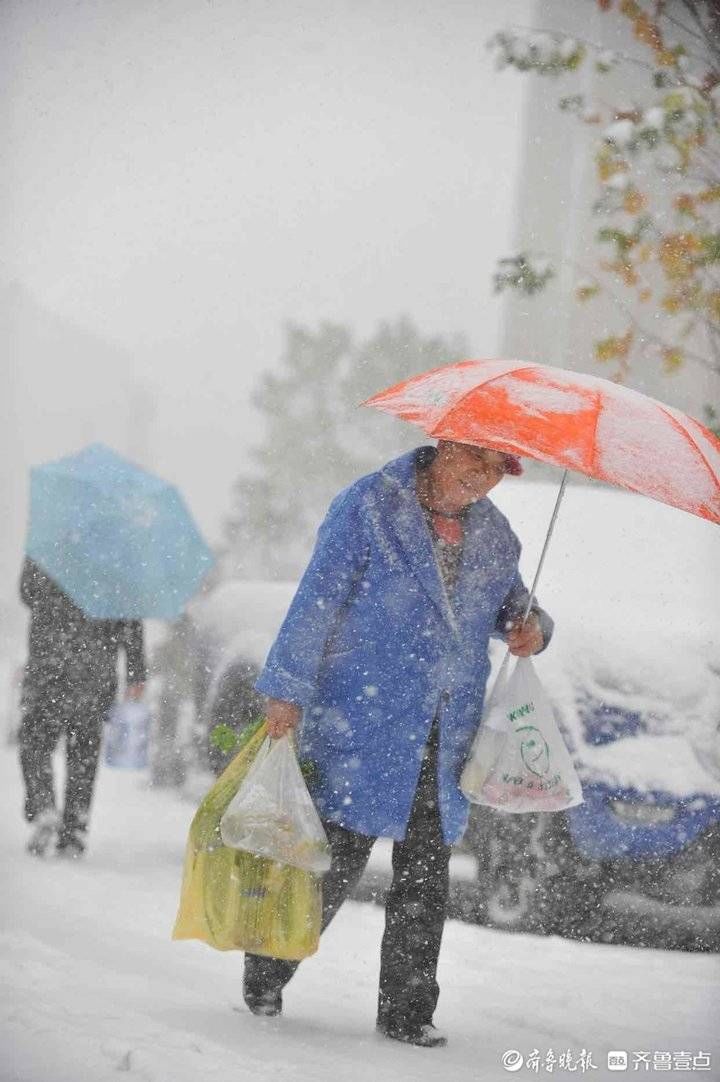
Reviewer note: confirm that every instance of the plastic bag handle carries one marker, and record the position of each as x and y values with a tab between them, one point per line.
290	734
499	679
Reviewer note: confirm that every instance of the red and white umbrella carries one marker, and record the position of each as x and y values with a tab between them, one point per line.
569	419
572	420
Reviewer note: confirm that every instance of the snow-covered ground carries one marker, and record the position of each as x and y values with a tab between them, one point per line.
94	988
93	985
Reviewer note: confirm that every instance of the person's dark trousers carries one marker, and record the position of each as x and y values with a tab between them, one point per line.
414	910
80	719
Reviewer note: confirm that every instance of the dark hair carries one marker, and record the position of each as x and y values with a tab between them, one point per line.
513	465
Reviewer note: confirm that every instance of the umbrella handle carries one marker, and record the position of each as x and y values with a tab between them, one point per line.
548	535
541	561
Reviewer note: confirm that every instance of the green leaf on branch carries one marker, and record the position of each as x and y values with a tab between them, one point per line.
544	53
605	62
572	104
525	273
585	291
613	348
624	242
711	248
673	359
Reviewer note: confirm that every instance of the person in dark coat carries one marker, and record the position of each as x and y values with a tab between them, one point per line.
381	665
70	683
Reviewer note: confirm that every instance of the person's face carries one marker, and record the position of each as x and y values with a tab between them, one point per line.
465	474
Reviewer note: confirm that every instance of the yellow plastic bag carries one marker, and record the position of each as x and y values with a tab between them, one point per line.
234	901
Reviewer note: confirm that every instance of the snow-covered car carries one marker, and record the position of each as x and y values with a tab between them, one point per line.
233	628
634	675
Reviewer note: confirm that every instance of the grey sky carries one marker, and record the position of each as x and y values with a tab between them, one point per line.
182	176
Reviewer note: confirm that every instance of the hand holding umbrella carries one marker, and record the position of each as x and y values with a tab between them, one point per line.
524	637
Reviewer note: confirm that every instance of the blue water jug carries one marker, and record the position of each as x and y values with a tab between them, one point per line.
126	736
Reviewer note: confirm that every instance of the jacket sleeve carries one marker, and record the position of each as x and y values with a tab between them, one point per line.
514	606
134	644
290	672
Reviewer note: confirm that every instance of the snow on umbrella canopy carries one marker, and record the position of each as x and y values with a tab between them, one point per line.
569	419
119	541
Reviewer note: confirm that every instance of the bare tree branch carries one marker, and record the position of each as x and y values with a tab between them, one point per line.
710	33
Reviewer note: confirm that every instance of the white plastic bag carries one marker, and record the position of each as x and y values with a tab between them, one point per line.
127	735
272	814
519	761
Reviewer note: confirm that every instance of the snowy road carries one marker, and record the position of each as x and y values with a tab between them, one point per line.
94	989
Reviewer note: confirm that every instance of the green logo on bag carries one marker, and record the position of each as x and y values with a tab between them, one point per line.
521	711
534	750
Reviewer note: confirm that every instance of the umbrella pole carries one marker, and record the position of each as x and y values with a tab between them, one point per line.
531	598
548	535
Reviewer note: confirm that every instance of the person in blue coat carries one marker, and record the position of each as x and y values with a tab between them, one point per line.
381	665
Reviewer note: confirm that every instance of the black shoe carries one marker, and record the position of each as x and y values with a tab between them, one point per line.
70	845
268	1005
424	1035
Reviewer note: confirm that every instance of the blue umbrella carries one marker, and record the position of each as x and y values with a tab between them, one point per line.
118	541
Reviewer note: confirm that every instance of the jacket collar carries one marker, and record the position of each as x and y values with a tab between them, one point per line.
407	522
